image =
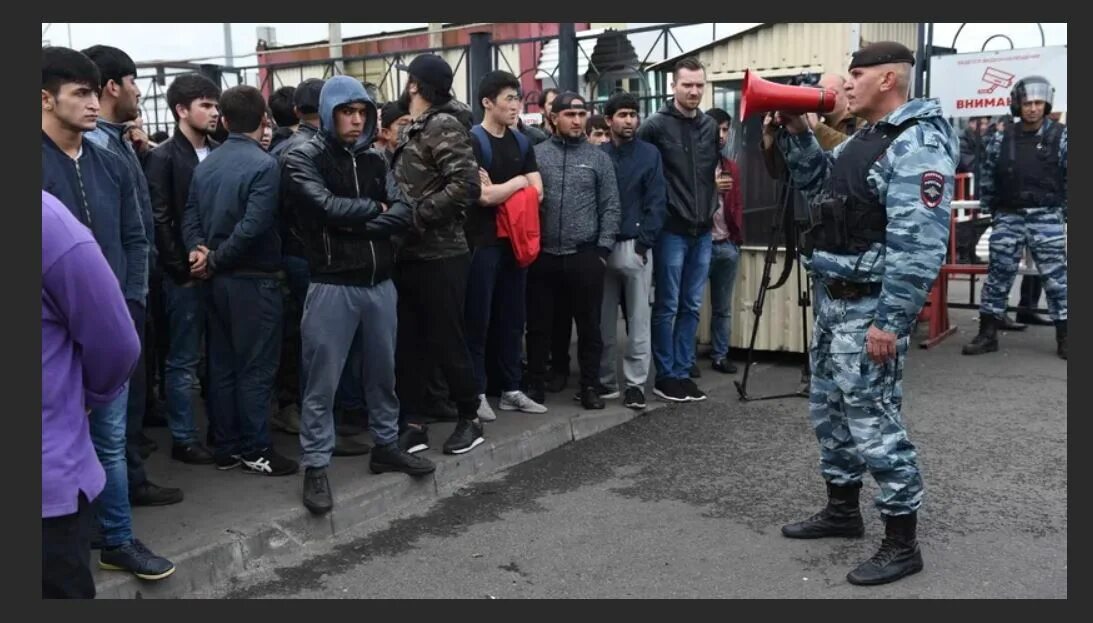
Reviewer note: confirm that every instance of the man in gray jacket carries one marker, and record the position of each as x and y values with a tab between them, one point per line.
579	222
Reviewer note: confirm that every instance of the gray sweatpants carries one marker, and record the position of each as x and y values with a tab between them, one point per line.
332	315
626	274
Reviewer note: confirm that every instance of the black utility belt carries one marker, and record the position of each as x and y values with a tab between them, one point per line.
850	290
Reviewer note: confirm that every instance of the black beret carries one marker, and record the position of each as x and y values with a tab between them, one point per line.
882	53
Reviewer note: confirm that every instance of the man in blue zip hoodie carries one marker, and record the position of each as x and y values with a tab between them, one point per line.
580	219
96	186
230	227
643	201
119	99
338	190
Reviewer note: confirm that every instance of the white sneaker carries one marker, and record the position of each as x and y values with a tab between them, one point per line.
485	412
518	401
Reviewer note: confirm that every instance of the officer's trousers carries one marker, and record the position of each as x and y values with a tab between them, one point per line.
855	403
1043	230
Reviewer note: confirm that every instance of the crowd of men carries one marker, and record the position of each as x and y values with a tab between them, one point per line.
332	266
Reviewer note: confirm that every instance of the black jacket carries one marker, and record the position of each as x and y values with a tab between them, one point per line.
232	209
690	152
169	169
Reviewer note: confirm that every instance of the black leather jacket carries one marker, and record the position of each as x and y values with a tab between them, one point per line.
333	194
169	169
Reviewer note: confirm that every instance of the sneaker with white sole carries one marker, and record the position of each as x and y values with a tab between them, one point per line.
467	436
485	412
269	463
519	401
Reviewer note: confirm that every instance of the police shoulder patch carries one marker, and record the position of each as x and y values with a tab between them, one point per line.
932	188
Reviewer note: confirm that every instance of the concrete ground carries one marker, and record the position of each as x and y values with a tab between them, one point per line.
687	501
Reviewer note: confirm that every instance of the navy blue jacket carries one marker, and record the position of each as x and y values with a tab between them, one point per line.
111	136
232	208
98	190
643	193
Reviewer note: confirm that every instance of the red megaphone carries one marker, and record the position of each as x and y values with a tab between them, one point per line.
764	96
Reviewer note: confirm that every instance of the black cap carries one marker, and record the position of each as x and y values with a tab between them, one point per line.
431	70
882	53
567	100
391	112
307	96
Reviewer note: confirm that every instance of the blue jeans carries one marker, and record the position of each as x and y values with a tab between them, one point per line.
350	389
723	262
681	265
244	316
186	326
108	437
495	304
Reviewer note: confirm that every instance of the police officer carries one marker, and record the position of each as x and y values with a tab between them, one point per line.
1024	186
881	206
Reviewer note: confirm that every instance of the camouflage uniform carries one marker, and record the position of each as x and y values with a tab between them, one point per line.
1041	229
855	403
435	168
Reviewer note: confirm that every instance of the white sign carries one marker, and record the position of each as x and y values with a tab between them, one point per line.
979	84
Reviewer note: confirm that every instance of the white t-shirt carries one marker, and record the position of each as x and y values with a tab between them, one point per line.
202	153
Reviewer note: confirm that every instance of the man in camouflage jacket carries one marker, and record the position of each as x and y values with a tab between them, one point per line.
435	169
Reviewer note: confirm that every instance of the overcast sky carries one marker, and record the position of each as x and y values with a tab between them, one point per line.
150	41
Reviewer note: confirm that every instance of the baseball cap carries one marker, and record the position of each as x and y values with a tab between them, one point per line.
431	70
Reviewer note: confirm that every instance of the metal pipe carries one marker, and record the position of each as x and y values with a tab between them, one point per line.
567	57
228	54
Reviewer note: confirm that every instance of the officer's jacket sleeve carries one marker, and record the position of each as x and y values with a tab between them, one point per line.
809	165
920	167
987	168
1062	164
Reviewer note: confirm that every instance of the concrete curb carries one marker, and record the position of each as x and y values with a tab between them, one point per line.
236	552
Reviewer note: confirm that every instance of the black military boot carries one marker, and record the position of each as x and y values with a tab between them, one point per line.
1060	338
898	556
1007	324
840	517
987	340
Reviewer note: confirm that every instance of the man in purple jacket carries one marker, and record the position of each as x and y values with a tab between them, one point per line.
89	349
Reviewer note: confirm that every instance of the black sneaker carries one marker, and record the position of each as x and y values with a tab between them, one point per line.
225	462
466	437
592	399
137	559
317	496
268	463
391	458
670	390
601	391
694	394
724	366
151	494
192	454
634	398
414	440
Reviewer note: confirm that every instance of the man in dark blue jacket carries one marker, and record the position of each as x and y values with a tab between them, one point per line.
119	101
642	199
96	186
230	227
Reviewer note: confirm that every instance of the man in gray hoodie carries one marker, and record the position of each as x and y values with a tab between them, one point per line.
579	222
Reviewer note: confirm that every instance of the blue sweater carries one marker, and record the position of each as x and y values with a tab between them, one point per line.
643	194
98	189
232	208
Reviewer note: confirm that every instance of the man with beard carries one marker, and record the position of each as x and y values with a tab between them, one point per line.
435	169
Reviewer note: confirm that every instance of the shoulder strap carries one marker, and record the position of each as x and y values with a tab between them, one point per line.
479	133
523	142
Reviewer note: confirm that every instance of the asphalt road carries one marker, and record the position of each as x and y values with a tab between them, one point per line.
688	500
